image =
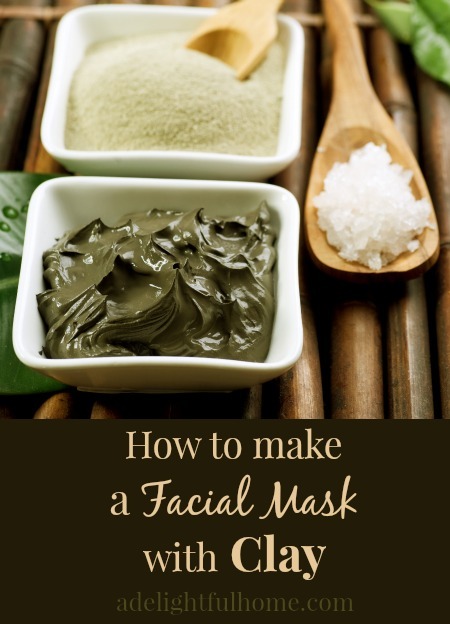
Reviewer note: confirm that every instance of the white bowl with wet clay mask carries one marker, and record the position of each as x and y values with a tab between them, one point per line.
118	304
126	98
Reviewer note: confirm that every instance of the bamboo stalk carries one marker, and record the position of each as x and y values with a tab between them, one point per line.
300	389
214	4
442	316
21	406
37	159
50	14
408	379
173	2
59	406
105	410
391	85
39	13
253	404
21	45
6	411
434	102
356	360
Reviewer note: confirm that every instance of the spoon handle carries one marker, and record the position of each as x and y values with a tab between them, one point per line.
267	6
351	80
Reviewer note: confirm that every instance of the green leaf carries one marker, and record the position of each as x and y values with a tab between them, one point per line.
425	26
15	193
431	37
438	12
396	16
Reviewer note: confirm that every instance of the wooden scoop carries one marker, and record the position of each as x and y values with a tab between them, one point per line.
357	117
239	34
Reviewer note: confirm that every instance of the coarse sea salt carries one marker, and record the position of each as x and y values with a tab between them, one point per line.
368	210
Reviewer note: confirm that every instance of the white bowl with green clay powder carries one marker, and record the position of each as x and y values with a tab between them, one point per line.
115	305
126	98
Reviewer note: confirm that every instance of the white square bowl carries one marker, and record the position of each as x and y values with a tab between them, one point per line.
66	203
82	27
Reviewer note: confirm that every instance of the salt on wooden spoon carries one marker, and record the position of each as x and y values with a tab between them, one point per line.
356	117
239	34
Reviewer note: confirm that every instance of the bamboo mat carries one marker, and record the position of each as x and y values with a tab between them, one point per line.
369	353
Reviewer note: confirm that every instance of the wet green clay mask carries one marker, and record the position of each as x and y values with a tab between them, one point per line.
162	283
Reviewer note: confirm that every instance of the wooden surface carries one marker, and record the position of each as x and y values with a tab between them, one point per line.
369	351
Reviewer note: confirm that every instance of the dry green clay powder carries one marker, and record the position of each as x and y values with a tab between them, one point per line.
150	92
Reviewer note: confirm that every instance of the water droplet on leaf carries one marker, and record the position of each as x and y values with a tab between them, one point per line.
10	212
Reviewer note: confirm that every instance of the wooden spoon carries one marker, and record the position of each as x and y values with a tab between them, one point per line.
356	117
239	34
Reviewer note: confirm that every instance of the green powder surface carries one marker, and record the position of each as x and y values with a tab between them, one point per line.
151	93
